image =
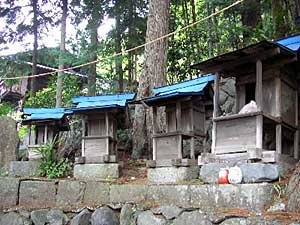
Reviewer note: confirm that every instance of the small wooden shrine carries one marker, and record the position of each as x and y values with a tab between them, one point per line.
44	125
267	73
184	105
99	125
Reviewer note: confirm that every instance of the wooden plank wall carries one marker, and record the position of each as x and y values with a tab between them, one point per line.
95	147
235	135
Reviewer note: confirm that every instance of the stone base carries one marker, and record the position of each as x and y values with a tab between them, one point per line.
23	168
170	175
97	171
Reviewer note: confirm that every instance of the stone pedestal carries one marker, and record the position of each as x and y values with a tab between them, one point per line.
170	175
23	168
97	171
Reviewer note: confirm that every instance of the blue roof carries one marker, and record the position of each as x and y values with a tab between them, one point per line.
291	42
102	101
46	114
186	88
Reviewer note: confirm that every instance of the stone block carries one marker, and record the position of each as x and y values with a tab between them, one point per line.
70	193
172	175
37	194
259	172
23	168
9	192
104	216
192	218
168	211
209	173
128	193
169	194
96	171
147	218
13	218
96	193
44	216
255	196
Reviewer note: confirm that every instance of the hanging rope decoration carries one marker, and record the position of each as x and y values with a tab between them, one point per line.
128	50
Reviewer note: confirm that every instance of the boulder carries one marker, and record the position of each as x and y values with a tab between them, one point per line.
147	218
192	218
259	172
52	217
168	211
209	173
83	218
127	215
9	141
14	218
104	216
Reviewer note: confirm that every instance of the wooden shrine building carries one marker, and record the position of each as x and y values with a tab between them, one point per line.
185	121
44	125
99	122
267	73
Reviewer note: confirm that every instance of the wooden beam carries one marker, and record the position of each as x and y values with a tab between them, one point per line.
296	135
107	132
258	90
192	154
278	96
46	134
238	61
178	116
154	153
179	147
154	121
83	120
279	139
259	131
216	110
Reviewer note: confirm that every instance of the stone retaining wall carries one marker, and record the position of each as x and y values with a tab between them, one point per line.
73	194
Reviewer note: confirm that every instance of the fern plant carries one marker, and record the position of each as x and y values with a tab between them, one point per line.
52	165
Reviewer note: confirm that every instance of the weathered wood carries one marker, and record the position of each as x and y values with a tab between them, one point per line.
79	160
179	147
269	157
178	116
278	96
189	162
258	86
192	154
259	131
269	97
154	121
279	138
46	134
176	162
151	164
296	135
240	97
216	110
154	140
296	145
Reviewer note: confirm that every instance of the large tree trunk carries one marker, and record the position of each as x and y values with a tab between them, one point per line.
251	16
131	37
195	31
153	73
118	60
279	23
33	83
60	76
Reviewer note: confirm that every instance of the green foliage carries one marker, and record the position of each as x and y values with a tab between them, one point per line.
23	130
6	108
46	97
280	189
52	165
3	172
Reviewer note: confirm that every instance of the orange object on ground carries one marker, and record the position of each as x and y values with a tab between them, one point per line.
223	176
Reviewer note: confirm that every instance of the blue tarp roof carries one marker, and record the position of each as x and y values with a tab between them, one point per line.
291	42
102	101
46	114
186	88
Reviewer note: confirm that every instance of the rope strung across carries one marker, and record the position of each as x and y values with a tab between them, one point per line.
128	50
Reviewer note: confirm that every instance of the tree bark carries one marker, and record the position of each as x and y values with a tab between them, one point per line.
153	73
118	60
60	75
33	82
278	14
251	16
131	37
195	31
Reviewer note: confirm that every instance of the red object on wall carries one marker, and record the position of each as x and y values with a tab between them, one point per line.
223	176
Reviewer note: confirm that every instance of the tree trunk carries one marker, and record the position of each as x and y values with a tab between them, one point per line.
118	60
33	82
131	37
251	17
153	73
195	31
60	75
278	14
209	36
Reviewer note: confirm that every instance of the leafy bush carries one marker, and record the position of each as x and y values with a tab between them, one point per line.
52	165
6	108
